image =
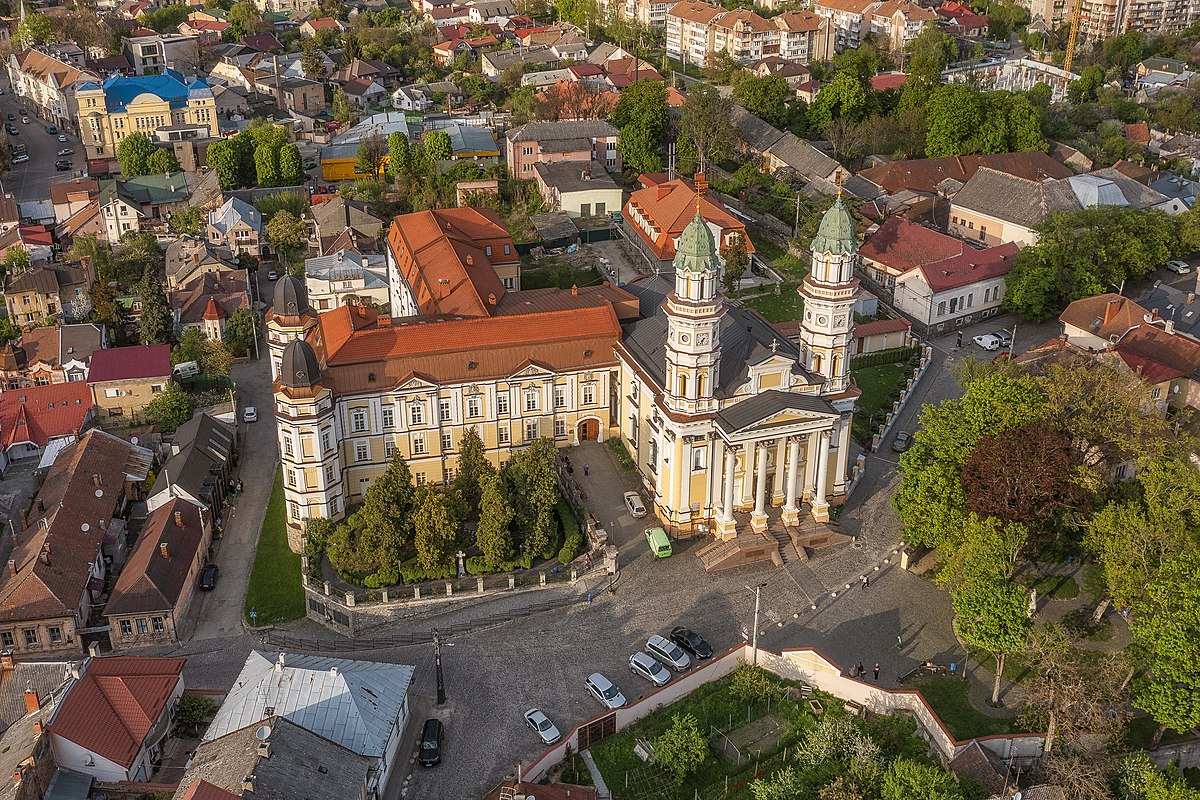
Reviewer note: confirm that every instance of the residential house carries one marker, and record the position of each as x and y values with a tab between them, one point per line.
150	602
133	204
112	722
962	20
125	379
363	93
1176	187
71	197
277	759
548	142
940	282
1094	323
110	65
1177	305
36	418
207	31
420	96
334	218
1104	19
263	43
238	227
445	53
200	466
301	7
895	21
298	95
56	572
313	26
482	12
578	188
347	277
745	36
36	294
119	106
925	175
188	257
365	703
46	78
450	261
50	354
793	73
474	143
655	216
159	52
494	62
208	300
379	71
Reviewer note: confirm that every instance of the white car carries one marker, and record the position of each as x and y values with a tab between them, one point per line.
988	341
66	151
542	726
602	689
20	159
25	120
62	137
1180	267
668	653
249	414
633	502
645	666
272	275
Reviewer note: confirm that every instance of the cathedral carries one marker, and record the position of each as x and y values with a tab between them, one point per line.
726	418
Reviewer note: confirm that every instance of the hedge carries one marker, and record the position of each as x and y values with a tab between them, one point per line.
572	537
411	572
893	355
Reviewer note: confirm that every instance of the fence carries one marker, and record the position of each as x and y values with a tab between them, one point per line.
893	355
905	393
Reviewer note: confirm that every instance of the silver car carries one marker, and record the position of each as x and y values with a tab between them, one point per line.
668	653
542	726
633	502
645	666
602	689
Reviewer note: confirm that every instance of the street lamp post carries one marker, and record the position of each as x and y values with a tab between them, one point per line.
437	666
754	635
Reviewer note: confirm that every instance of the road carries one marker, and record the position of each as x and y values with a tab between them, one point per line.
30	180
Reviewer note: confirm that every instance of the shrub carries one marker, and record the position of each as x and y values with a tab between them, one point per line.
624	460
478	565
411	572
572	536
386	576
751	684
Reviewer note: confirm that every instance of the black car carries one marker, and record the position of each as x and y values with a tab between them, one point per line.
12	117
208	577
13	129
62	165
430	752
692	642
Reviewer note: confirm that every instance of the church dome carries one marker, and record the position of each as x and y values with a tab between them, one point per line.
298	369
696	251
291	298
836	233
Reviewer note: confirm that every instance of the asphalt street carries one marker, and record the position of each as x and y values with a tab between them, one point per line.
29	180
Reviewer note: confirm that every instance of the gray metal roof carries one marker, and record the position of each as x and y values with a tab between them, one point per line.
353	703
762	405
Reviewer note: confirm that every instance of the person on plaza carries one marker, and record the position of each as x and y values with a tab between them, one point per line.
876	670
585	469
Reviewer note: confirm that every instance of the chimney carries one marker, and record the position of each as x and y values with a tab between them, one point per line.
586	174
6	659
1110	310
178	519
492	299
1154	317
574	290
1191	298
45	558
41	505
94	649
663	191
264	749
24	520
162	548
18	775
701	184
366	262
1169	326
46	547
470	260
37	727
12	567
248	784
31	701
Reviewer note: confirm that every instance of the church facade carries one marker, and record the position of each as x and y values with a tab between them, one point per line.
725	417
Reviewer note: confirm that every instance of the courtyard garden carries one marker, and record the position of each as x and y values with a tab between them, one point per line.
274	591
880	376
753	735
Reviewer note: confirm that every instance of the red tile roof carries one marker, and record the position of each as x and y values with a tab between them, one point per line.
924	174
888	80
128	363
970	266
41	413
110	710
902	245
1138	132
1157	356
1104	315
323	23
669	207
203	790
693	11
881	326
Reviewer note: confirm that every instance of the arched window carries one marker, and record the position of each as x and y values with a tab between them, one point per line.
816	362
683	384
837	366
701	384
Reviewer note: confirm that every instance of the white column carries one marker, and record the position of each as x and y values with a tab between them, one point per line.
777	485
727	501
843	461
820	503
810	464
685	482
790	510
748	462
758	520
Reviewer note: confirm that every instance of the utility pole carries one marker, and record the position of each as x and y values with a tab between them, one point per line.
437	668
1012	345
754	635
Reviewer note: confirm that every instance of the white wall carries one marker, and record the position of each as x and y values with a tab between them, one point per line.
70	755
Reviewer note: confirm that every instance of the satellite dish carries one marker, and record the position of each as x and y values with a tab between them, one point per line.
1018	795
99	493
133	440
85	527
263	733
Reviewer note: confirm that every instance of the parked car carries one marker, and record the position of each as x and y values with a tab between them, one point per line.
988	341
62	165
902	441
1005	337
542	726
62	137
21	159
12	129
208	577
24	120
692	642
668	653
66	151
12	117
430	752
660	545
633	502
1180	267
646	667
249	414
602	689
51	129
272	275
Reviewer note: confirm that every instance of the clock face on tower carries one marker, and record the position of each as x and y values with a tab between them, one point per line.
841	320
702	339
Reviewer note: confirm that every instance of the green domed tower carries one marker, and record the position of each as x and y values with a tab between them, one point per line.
829	291
694	311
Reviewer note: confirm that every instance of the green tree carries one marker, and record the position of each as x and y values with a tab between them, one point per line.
372	150
681	748
165	19
16	258
285	232
186	221
8	331
1025	125
266	165
928	55
170	408
954	115
341	106
222	157
241	329
787	784
311	61
438	146
291	166
736	261
706	123
765	98
640	116
215	360
398	155
472	468
493	535
1122	52
533	487
388	512
434	529
161	161
905	779
134	153
244	19
192	709
155	320
1085	87
847	95
639	151
105	309
189	348
34	29
1138	778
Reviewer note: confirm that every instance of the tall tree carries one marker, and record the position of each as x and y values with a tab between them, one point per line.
639	151
170	408
493	535
641	119
215	359
472	468
155	320
765	97
707	123
372	150
906	780
533	487
388	513
244	19
134	153
285	232
266	165
186	221
434	529
34	29
161	161
928	55
241	329
848	95
222	157
955	115
291	166
341	106
398	154
311	61
105	309
736	261
438	146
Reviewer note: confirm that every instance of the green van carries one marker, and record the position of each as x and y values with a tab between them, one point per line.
660	545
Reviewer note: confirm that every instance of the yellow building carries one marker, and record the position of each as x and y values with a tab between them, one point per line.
125	379
110	111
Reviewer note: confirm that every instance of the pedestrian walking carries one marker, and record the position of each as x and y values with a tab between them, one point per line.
585	469
876	670
861	669
959	342
866	582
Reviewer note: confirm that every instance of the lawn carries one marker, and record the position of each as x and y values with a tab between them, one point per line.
556	272
782	307
1051	587
948	697
876	384
274	591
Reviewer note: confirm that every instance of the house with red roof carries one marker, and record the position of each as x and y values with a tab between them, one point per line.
37	416
363	92
314	26
208	30
114	717
654	217
962	19
125	379
263	43
939	281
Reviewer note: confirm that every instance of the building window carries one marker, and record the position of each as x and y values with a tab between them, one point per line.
419	477
287	446
633	430
942	309
502	403
502	434
55	632
358	419
699	458
447	442
126	628
291	477
474	407
389	449
560	397
294	510
560	428
389	417
444	411
418	445
589	394
326	442
487	249
531	430
447	475
329	473
1157	393
652	456
361	451
142	627
156	624
531	400
416	414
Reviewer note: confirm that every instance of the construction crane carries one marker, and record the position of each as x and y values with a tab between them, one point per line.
1076	6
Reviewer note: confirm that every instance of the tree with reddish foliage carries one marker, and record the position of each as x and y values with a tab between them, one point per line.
573	100
1024	475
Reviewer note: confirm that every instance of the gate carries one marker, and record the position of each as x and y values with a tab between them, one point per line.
595	731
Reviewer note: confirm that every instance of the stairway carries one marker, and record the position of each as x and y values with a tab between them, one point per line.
777	532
